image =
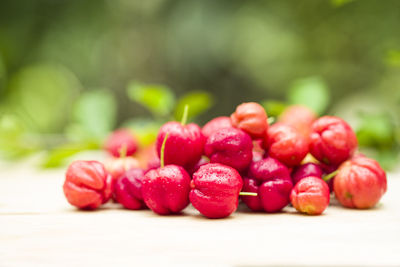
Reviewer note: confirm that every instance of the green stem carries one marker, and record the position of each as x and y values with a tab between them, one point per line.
185	115
253	194
329	176
162	151
122	151
271	120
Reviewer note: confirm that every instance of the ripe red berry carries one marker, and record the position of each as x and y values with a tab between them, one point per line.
215	190
184	146
128	189
360	183
286	144
271	180
300	117
216	124
310	195
332	140
230	146
118	166
251	118
87	184
306	170
166	190
121	141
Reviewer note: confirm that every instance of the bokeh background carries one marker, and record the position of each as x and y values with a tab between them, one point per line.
72	71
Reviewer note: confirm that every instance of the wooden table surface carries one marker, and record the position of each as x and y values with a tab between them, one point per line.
39	228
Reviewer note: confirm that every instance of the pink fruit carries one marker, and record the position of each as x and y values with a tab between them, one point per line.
121	141
118	166
215	190
128	189
216	124
306	170
87	184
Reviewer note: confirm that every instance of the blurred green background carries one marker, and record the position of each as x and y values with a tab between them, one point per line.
71	71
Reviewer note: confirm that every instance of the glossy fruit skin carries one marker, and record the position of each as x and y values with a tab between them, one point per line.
153	163
184	145
251	118
299	117
166	190
286	144
121	138
270	179
332	140
118	166
310	196
360	183
215	190
128	189
230	146
216	124
87	184
201	162
305	170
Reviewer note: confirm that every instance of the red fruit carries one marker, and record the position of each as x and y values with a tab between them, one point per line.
216	124
184	146
251	118
360	183
121	141
153	163
166	190
299	117
201	162
215	190
118	166
332	140
306	170
270	179
230	146
87	184
128	189
286	144
310	195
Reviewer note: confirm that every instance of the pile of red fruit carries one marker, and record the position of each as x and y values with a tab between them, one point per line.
299	159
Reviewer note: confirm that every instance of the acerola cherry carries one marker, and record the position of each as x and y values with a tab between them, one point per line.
166	190
310	195
286	144
332	140
128	189
299	117
360	183
121	140
118	166
216	124
251	118
270	179
230	146
87	184
215	190
201	162
184	146
306	170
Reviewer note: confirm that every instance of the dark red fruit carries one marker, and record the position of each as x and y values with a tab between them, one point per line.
184	146
332	140
87	184
216	124
121	141
271	180
310	195
305	170
251	118
128	189
360	183
286	144
166	190
215	190
202	161
230	146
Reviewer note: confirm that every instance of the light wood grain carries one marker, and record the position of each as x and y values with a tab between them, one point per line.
39	228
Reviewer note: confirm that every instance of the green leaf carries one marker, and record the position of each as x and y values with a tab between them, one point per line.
198	102
58	156
339	3
311	92
273	107
376	130
145	130
158	99
94	115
